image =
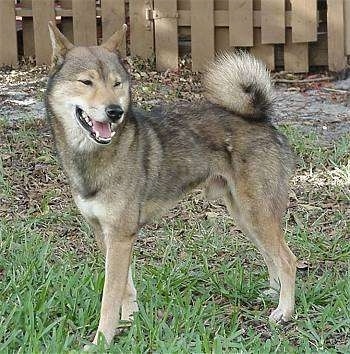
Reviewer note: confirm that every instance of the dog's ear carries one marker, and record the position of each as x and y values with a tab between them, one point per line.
113	43
60	45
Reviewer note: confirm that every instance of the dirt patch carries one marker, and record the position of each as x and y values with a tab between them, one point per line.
322	106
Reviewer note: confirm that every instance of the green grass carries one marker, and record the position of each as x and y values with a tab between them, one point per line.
199	280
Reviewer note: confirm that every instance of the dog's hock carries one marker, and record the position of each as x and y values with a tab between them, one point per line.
113	43
60	44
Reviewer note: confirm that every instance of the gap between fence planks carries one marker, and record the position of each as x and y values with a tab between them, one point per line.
67	22
202	33
166	34
28	32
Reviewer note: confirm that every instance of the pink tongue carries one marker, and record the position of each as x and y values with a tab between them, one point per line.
104	129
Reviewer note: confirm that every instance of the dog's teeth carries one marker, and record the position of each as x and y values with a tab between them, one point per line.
84	115
89	122
97	134
86	119
112	134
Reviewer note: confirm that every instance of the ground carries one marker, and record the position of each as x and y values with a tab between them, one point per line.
199	280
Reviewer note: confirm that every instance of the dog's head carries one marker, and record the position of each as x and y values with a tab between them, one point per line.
88	90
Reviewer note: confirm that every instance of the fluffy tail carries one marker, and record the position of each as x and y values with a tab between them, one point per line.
240	83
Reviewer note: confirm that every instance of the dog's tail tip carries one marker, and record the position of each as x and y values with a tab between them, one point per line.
241	83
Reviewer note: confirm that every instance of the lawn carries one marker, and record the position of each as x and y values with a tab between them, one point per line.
199	280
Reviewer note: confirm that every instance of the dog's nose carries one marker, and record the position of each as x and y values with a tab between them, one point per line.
114	112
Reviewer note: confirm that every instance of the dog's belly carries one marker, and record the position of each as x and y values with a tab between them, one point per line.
154	209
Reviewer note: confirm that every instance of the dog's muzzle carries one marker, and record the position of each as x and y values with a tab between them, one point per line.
99	132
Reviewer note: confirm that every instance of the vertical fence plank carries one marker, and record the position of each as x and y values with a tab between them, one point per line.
8	34
296	55
272	21
28	31
67	22
141	29
202	33
265	52
241	23
335	28
304	21
84	22
347	26
113	17
166	36
43	12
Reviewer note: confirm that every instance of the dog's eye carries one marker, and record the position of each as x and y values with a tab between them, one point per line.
117	83
86	82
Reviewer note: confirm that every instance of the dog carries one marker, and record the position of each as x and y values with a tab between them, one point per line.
126	167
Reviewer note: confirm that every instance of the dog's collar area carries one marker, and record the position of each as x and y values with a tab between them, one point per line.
99	132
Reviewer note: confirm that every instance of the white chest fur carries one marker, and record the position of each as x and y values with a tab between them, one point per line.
91	208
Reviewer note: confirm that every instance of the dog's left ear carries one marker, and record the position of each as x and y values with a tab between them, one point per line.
113	43
60	45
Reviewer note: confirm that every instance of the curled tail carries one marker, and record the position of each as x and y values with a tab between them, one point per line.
240	83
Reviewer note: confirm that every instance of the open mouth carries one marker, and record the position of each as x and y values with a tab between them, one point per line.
100	132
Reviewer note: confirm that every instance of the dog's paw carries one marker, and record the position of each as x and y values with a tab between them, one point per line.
128	310
89	348
280	316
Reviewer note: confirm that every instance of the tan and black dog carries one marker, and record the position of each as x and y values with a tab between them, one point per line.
126	167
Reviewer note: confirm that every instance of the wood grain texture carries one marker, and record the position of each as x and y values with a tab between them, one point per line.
272	21
43	12
240	14
141	30
8	34
347	26
304	21
113	17
166	35
296	55
336	42
84	22
202	33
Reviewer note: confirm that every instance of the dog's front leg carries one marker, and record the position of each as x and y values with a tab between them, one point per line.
118	253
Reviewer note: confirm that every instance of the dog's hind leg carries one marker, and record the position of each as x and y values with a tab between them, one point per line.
263	227
129	304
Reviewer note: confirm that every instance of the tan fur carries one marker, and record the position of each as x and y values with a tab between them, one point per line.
155	158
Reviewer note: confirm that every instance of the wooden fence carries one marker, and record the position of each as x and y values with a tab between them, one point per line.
289	34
